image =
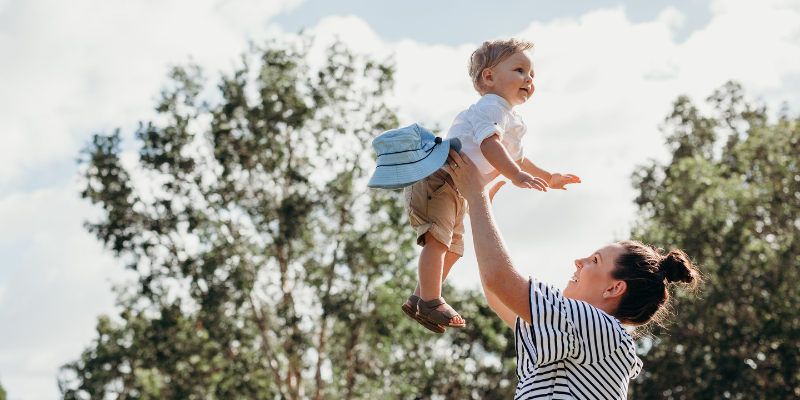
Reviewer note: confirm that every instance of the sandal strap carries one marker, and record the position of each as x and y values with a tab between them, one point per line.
428	310
449	313
432	303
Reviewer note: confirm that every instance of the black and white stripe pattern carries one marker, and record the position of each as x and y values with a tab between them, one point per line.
572	350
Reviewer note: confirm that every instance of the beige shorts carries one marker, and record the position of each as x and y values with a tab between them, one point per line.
434	206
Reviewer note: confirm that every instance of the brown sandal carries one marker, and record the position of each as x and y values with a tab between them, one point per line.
412	313
426	311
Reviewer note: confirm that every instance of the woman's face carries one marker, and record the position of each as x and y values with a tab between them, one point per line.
592	279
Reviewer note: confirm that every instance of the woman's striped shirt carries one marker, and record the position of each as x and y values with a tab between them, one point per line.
572	350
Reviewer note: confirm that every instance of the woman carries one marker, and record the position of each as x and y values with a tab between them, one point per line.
571	344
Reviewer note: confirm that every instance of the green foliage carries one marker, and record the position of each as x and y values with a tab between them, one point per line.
266	269
737	214
2	393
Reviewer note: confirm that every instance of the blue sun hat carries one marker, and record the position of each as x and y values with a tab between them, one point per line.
406	155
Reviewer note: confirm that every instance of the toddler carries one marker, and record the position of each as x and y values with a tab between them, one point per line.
490	133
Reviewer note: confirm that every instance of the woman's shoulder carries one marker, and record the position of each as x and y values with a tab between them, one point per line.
546	290
600	335
589	323
588	317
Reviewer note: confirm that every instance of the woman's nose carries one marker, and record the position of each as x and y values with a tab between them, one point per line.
578	264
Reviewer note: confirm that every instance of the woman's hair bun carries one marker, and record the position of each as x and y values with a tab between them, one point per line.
677	267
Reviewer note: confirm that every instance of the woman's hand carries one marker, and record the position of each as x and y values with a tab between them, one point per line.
468	178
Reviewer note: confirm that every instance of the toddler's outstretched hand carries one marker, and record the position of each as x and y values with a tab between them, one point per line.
557	181
528	181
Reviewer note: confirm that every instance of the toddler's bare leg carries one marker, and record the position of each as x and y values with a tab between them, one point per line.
450	259
435	263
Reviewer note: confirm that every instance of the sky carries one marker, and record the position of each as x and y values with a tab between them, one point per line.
607	72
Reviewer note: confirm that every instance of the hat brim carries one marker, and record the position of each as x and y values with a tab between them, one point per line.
400	176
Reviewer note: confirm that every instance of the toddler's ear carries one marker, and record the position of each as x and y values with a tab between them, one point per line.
488	77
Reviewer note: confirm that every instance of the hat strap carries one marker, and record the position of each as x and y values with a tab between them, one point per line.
429	152
437	141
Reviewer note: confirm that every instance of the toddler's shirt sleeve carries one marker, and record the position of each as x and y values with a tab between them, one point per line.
488	120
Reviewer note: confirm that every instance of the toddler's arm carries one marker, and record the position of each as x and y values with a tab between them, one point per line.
554	181
498	156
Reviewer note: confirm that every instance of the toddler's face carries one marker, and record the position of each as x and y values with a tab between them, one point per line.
512	78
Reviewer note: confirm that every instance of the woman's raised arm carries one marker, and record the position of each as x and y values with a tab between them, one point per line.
498	274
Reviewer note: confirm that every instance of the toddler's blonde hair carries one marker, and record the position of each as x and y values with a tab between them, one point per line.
491	53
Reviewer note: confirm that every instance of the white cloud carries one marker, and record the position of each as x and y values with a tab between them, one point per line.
671	17
92	65
54	281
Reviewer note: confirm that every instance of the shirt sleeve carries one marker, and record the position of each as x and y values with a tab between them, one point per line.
599	334
550	337
487	121
564	328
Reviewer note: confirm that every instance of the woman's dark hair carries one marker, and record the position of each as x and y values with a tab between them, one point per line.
649	276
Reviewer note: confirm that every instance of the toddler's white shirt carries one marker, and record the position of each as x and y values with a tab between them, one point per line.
491	115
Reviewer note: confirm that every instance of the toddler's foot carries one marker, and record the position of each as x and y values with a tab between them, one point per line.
439	312
410	309
455	320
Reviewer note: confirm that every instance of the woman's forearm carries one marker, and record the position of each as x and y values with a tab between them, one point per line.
495	304
496	269
494	262
490	248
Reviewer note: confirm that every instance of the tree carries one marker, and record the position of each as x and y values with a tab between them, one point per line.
265	267
730	197
2	393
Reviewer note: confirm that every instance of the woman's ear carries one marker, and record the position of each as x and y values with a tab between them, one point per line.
488	77
615	290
